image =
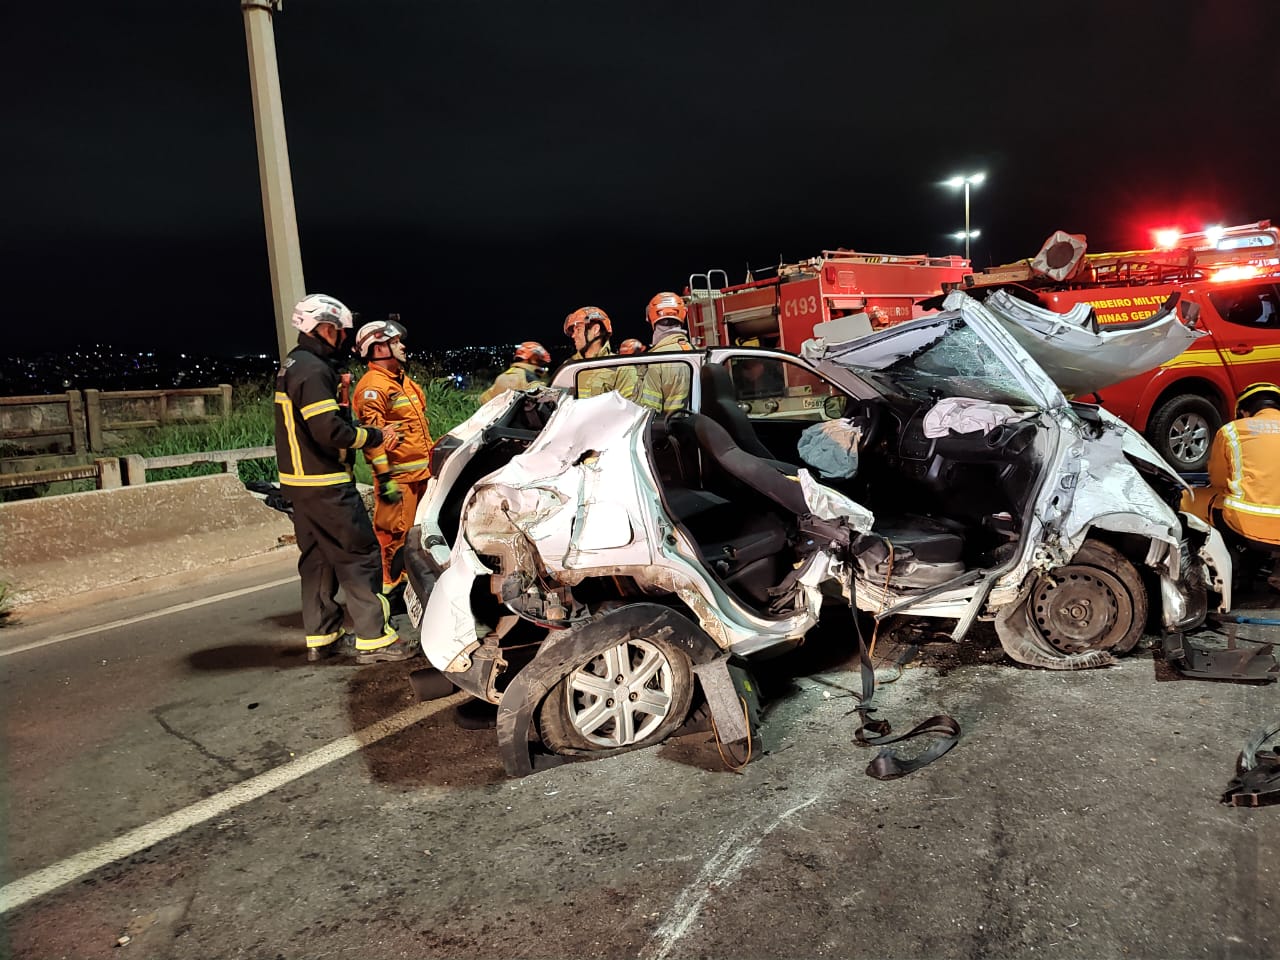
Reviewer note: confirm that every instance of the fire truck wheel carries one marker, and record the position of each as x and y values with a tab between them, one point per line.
1182	429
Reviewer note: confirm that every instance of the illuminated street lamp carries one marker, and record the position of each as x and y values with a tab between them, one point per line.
973	180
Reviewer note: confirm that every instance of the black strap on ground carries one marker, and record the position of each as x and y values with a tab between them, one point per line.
875	732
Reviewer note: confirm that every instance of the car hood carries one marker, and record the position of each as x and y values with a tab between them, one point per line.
987	362
1082	357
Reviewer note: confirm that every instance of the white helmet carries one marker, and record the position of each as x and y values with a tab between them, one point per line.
316	309
376	331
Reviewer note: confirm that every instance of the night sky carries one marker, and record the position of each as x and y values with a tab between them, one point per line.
483	168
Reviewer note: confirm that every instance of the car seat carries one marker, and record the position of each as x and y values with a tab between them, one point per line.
719	403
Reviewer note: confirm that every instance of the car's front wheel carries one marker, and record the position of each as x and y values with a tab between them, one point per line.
634	693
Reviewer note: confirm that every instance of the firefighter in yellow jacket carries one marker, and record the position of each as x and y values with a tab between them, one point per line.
336	544
590	328
665	387
527	371
1244	473
386	395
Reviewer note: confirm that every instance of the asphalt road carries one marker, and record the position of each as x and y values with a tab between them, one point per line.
187	780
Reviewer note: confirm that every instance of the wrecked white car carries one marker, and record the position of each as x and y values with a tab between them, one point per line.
582	562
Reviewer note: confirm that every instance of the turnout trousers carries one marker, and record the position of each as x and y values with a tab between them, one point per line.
391	523
337	548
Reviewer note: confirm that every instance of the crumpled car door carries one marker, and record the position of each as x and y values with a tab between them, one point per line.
1082	357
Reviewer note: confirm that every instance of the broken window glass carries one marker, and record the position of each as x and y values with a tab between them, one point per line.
943	360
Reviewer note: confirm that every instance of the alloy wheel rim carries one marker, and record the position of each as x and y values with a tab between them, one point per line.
1189	437
622	695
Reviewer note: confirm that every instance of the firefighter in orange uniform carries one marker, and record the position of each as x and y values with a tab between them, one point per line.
387	395
527	370
1244	475
665	387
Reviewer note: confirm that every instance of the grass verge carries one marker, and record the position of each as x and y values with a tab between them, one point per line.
252	424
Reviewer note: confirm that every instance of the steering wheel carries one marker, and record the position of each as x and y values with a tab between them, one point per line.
870	416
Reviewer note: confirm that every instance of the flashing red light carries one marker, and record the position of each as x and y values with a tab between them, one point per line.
1167	239
1242	272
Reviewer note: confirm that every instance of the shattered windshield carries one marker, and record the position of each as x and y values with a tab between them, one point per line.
945	358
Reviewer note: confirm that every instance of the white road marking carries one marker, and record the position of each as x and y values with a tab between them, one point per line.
721	868
37	884
176	608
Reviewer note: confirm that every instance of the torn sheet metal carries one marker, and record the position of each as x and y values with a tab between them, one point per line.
1082	357
1111	494
581	462
448	626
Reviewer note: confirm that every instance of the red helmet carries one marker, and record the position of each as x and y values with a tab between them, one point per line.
584	315
631	346
531	351
666	305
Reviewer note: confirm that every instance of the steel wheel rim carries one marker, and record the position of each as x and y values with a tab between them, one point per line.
1189	437
1079	608
622	695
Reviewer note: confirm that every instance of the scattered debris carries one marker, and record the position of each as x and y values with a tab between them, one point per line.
1257	779
1250	661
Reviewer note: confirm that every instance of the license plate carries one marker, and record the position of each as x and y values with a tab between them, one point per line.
413	605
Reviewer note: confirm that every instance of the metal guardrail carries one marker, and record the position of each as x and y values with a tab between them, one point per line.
110	472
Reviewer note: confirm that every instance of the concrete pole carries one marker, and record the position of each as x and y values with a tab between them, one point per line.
966	218
283	250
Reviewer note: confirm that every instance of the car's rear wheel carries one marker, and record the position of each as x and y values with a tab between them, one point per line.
1182	430
1096	602
631	694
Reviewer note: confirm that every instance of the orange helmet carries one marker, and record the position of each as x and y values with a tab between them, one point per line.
631	346
666	305
584	315
531	351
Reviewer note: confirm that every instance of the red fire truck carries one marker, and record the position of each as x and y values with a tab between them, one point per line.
780	311
1231	273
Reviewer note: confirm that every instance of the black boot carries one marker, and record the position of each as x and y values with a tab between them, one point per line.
344	646
400	649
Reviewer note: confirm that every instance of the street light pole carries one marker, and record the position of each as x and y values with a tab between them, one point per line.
284	254
971	180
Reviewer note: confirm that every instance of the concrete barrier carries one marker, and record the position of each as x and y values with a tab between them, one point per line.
53	549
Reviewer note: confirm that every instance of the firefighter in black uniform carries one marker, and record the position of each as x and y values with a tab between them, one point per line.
315	443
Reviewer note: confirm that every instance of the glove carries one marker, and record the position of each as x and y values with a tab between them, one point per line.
388	490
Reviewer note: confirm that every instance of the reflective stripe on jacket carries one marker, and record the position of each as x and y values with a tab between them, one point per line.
665	386
592	383
1244	471
313	433
518	376
384	398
